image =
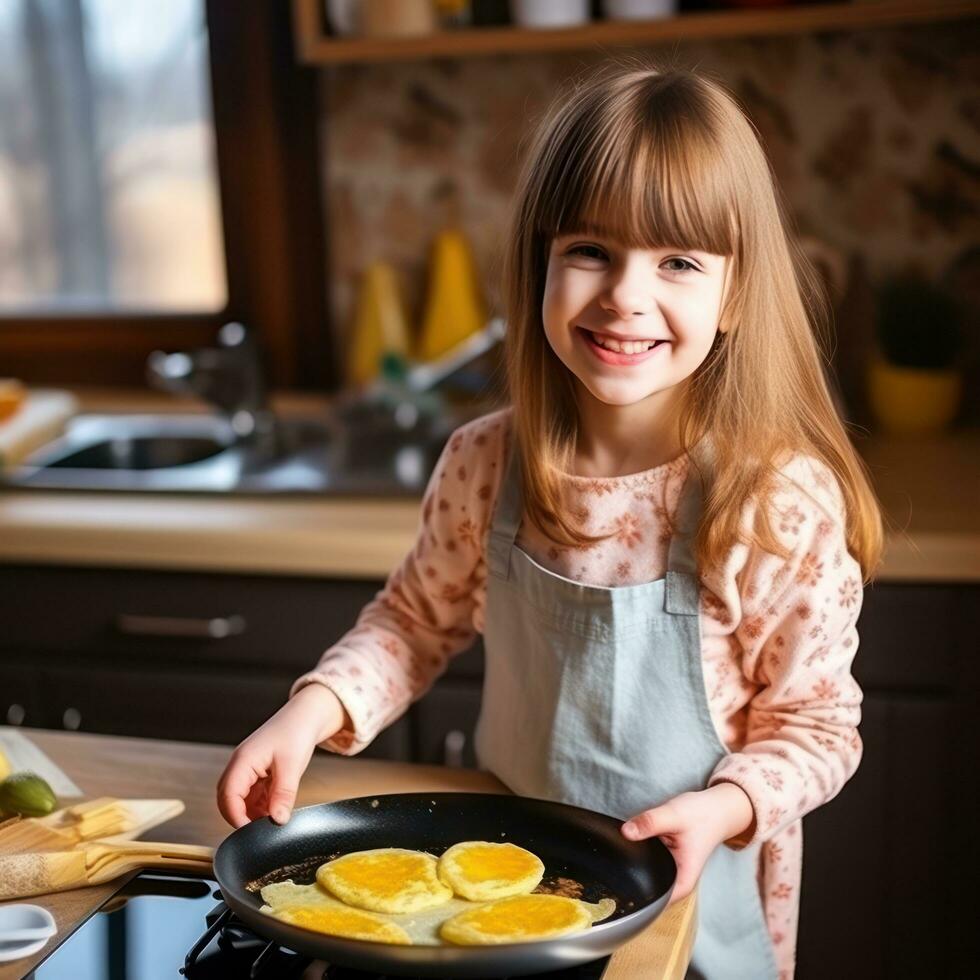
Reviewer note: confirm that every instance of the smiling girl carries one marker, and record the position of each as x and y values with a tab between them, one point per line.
663	540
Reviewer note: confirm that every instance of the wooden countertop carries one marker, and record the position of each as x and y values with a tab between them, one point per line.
145	768
928	487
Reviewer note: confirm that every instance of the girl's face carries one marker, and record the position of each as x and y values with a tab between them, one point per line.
630	323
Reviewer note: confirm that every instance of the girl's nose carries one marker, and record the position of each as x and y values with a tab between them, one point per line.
628	293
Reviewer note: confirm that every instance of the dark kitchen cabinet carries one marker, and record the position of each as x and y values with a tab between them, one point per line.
888	865
208	707
878	883
122	652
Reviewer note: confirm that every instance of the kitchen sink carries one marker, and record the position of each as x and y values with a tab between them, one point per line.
384	441
140	453
203	454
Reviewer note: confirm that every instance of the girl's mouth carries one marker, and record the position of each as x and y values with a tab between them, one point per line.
626	352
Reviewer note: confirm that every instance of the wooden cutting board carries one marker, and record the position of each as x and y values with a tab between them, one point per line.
146	813
53	832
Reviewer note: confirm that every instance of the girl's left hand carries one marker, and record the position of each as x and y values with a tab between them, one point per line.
692	825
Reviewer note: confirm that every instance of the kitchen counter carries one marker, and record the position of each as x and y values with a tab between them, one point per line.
928	488
143	768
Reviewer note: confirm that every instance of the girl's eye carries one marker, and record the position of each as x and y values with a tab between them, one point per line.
587	251
595	253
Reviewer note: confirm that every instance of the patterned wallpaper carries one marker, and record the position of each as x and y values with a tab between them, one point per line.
874	137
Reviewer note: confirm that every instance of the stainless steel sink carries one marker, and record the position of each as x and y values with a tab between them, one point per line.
132	452
203	454
384	441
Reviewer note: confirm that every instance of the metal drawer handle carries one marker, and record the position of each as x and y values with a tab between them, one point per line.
71	720
216	628
16	714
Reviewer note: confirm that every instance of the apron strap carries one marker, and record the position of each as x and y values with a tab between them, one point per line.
506	517
683	586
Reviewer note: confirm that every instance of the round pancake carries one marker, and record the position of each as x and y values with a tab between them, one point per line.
339	920
387	879
422	927
519	919
483	871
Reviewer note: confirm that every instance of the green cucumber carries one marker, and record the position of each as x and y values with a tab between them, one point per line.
26	794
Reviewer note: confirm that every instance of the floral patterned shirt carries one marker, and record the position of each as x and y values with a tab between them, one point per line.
777	634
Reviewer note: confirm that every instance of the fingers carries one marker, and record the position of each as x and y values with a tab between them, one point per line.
652	823
231	806
234	788
281	803
257	801
286	774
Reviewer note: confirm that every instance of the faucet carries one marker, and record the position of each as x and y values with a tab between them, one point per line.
403	393
228	376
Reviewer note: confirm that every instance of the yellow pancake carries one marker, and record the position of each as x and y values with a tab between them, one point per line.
599	910
521	918
422	927
281	894
339	920
484	871
387	879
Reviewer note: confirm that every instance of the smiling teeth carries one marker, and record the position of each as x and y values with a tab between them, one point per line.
625	346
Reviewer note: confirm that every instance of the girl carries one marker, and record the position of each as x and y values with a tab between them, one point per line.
663	540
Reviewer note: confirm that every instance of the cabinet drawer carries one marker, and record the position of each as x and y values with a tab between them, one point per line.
129	616
198	706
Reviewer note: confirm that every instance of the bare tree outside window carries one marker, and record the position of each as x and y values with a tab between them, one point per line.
108	190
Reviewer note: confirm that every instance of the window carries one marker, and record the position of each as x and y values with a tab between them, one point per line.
108	184
158	177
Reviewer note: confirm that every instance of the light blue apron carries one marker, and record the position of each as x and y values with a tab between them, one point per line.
595	696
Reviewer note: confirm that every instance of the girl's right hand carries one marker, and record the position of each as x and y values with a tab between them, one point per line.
263	774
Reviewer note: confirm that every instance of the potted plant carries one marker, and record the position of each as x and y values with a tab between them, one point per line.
914	382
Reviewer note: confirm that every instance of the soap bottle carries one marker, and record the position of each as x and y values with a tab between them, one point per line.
380	324
454	304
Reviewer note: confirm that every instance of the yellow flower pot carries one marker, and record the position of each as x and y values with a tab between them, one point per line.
913	401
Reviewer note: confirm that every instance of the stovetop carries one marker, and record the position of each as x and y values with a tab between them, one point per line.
159	927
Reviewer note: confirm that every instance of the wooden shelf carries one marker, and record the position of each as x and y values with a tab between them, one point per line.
315	47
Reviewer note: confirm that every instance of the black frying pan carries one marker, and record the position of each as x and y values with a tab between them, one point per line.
573	843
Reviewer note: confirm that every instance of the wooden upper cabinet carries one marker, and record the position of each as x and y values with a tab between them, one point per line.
315	45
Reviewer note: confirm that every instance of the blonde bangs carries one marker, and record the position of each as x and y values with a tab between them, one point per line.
629	170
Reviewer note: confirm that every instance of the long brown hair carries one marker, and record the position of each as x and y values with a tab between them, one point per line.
667	159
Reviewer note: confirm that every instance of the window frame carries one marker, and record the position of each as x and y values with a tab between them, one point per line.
266	120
